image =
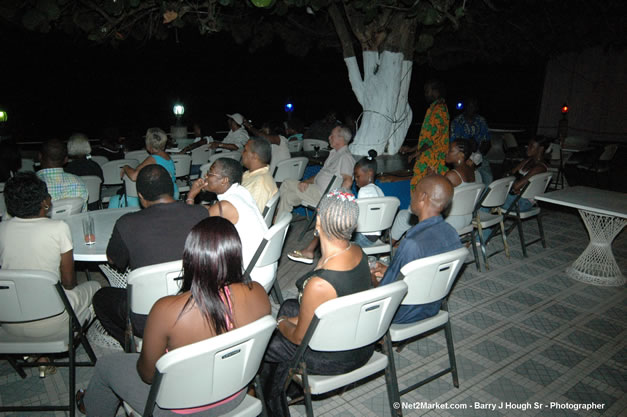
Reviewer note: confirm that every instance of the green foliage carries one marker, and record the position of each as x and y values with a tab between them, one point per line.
425	42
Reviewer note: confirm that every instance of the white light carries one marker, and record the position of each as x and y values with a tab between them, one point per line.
178	109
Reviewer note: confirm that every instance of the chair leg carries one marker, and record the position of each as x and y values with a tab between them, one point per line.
505	244
307	226
482	244
72	366
521	234
474	250
391	381
277	295
15	365
541	229
307	392
259	394
451	353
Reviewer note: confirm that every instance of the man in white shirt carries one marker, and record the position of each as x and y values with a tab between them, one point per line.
237	137
258	179
339	162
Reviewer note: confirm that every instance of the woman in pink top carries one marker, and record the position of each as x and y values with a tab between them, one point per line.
215	298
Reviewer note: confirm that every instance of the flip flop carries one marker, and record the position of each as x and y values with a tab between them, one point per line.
79	400
297	256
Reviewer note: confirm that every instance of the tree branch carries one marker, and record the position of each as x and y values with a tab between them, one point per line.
342	31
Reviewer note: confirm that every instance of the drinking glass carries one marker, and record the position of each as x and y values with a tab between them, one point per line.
89	232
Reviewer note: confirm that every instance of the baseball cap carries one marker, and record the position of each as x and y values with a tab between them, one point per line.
239	119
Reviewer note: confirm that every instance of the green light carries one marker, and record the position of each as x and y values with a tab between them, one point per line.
3	116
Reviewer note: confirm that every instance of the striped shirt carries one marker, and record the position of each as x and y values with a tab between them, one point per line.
63	185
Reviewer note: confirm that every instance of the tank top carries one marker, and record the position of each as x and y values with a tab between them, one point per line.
169	166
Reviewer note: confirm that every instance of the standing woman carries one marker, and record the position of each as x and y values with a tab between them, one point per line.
342	270
214	299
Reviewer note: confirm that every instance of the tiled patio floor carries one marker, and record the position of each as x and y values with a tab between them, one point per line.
524	333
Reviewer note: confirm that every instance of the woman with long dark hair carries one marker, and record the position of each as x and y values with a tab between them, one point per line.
215	297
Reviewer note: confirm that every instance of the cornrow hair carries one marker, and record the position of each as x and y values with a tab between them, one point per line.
368	163
338	212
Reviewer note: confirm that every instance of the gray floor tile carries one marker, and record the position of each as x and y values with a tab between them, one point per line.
479	319
615	378
524	298
507	390
583	393
605	327
585	341
562	355
492	351
518	336
561	311
542	323
492	286
502	308
537	372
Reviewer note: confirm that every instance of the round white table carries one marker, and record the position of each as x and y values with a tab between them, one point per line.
605	214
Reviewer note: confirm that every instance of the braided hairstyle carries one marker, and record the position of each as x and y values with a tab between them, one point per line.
338	212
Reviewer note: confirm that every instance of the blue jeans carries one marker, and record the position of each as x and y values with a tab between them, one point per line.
486	172
362	240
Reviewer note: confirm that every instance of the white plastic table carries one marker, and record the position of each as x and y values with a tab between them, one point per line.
104	220
605	214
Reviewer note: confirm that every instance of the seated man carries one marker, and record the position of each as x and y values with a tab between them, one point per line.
237	137
53	157
236	205
339	162
258	179
150	236
431	236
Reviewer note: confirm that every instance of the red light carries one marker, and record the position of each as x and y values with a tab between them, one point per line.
564	109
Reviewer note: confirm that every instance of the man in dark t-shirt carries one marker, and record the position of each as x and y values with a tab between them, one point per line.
151	236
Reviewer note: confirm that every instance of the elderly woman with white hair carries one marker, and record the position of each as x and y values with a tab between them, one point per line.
342	270
79	150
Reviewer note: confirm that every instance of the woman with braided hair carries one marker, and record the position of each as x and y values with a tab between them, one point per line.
342	270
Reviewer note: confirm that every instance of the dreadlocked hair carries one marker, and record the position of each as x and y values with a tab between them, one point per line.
338	212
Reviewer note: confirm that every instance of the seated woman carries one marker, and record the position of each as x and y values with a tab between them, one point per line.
215	297
280	149
458	154
30	240
364	172
78	148
342	270
156	140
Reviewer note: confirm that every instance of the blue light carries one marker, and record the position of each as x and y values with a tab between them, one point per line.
289	107
459	105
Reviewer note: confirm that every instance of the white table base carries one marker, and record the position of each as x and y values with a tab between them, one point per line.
596	265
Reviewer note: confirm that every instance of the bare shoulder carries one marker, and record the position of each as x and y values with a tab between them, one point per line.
251	296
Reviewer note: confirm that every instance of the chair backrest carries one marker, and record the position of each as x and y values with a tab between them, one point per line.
556	152
465	198
92	182
308	144
376	214
201	155
537	185
182	165
273	241
140	155
211	370
66	206
148	284
430	279
204	168
497	192
576	141
28	164
295	145
290	169
3	206
478	177
510	141
608	152
130	187
355	320
27	295
270	209
111	170
496	153
100	160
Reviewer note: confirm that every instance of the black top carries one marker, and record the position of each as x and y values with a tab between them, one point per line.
153	235
110	154
344	283
82	167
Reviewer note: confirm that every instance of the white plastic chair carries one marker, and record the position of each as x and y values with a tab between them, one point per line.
148	284
290	169
428	280
295	145
27	295
140	155
493	199
602	164
182	167
231	154
334	182
464	200
308	144
496	154
65	207
212	370
111	175
92	182
270	209
347	323
537	185
28	164
100	160
377	215
269	253
130	187
3	206
201	155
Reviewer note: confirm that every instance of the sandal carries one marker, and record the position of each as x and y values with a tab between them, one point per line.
297	256
79	400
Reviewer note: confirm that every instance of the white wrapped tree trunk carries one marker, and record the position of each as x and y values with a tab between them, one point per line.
382	92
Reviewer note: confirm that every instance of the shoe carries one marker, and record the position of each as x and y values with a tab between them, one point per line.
79	400
297	256
45	370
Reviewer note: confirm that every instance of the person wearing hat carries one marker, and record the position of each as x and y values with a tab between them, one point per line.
237	137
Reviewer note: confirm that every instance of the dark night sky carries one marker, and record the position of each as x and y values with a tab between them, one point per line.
53	85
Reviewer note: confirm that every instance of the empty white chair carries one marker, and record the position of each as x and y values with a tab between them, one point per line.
140	155
334	182
295	145
492	199
92	182
201	155
537	185
212	370
310	144
111	173
463	204
347	323
28	164
182	167
269	252
66	206
602	164
377	215
290	169
428	280
27	295
100	160
270	209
